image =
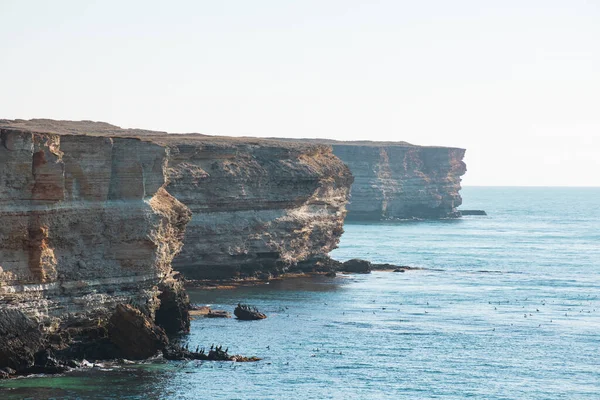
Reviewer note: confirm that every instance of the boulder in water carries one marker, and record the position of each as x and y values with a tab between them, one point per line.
20	339
135	334
247	313
472	212
174	312
218	314
357	266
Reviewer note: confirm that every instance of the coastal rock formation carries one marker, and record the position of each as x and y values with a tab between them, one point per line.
359	266
20	339
174	312
93	220
258	206
356	266
136	336
86	224
473	212
396	180
245	312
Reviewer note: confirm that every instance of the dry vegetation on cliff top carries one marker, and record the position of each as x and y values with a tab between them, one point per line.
94	128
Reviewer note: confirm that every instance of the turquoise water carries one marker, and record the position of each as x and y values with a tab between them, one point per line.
508	309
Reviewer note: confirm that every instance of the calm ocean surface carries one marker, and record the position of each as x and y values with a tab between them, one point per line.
508	309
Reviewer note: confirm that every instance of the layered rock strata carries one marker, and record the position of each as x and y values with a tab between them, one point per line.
402	181
258	206
86	224
399	180
93	219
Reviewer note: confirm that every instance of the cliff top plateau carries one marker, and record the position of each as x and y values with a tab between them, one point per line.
95	128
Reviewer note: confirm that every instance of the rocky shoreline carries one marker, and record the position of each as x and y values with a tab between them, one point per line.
91	229
334	269
129	334
101	226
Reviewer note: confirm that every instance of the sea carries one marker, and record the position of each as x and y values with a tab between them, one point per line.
506	307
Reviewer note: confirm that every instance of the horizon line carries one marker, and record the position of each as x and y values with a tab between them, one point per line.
537	186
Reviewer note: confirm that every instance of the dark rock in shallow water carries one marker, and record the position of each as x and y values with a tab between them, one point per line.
20	345
385	266
173	315
472	212
218	314
393	267
199	311
136	335
318	264
207	312
43	369
217	353
264	276
87	342
247	313
46	358
181	353
20	339
357	266
9	371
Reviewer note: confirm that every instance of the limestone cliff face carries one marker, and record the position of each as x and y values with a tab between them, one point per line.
86	223
258	206
92	216
399	180
92	219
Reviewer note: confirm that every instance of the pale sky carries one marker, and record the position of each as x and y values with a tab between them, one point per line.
515	82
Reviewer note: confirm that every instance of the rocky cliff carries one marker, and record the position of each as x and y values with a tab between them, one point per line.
258	206
86	224
92	218
82	217
402	181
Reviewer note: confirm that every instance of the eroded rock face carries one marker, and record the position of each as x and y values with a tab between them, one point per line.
258	206
135	334
93	220
245	312
401	180
20	339
86	224
174	312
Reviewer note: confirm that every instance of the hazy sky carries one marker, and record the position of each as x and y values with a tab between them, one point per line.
516	82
